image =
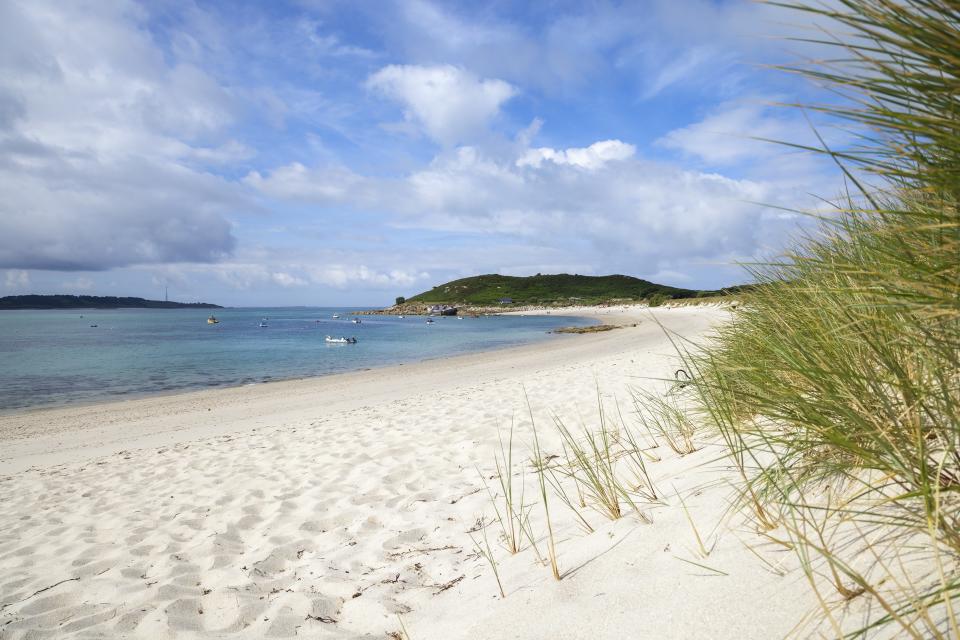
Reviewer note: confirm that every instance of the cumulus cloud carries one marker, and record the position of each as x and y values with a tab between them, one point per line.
296	182
103	140
450	103
285	279
261	270
599	204
593	157
341	276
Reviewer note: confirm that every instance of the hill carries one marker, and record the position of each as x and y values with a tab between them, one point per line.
94	302
554	289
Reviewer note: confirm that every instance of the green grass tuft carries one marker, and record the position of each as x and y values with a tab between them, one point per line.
836	386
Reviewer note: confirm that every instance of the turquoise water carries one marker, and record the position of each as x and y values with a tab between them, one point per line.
57	357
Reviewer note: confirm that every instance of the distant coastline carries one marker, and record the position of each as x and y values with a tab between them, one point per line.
94	302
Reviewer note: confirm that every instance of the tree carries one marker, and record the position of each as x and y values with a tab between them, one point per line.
401	300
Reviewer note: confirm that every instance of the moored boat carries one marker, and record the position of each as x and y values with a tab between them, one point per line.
340	340
210	320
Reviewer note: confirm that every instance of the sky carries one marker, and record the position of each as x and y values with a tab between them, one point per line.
318	152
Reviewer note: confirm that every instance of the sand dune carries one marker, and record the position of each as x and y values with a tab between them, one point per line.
340	508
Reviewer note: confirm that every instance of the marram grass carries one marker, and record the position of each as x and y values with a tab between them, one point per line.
837	385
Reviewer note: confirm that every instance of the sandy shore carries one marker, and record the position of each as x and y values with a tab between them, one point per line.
340	507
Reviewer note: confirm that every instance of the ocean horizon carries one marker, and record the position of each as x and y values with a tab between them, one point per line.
81	356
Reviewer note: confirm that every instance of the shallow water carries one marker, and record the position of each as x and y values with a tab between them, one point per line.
57	357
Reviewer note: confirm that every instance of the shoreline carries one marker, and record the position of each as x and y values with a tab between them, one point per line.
130	397
344	506
31	434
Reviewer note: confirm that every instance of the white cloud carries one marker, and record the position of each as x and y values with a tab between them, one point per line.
729	133
325	44
679	69
102	143
450	103
17	279
341	276
265	269
593	157
736	137
284	279
600	204
653	46
80	283
296	182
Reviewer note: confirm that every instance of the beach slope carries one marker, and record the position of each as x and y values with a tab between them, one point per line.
343	507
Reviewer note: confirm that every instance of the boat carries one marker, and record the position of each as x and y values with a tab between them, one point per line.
459	317
401	317
263	323
356	321
341	340
212	320
336	315
429	320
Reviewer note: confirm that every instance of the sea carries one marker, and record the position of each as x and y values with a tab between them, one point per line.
63	357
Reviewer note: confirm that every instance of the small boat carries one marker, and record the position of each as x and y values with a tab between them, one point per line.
356	321
263	323
336	315
212	320
401	317
341	340
93	326
459	317
429	320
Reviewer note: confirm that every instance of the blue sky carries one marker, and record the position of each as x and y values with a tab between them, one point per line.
323	152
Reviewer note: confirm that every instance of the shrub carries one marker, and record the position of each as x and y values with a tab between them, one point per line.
657	299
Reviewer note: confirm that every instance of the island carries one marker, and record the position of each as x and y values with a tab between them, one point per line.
493	292
94	302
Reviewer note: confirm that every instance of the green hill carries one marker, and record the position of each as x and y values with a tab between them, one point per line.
553	289
94	302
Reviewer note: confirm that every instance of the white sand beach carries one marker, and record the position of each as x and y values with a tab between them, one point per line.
343	506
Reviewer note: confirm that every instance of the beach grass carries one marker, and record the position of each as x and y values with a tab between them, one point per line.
836	386
486	552
591	463
512	515
665	419
541	464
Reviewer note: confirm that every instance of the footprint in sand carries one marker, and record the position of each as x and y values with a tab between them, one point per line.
184	615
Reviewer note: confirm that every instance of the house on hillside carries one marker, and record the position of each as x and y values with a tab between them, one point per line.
442	310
